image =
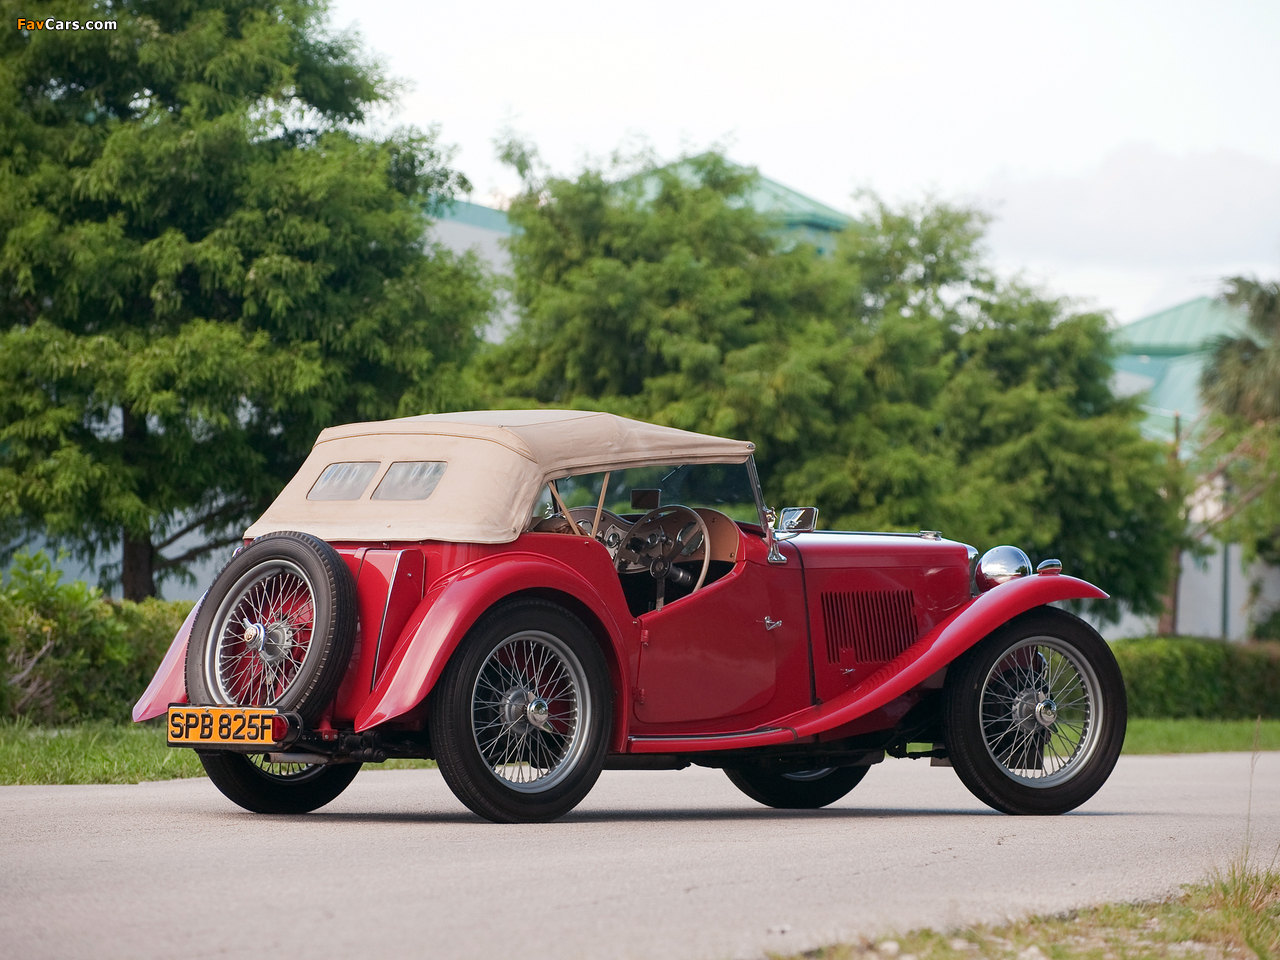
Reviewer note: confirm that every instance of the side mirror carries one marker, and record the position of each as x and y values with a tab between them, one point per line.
645	499
798	520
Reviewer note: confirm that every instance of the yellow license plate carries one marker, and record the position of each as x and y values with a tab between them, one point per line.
205	726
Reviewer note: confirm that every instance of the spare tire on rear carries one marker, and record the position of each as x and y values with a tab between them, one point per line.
276	628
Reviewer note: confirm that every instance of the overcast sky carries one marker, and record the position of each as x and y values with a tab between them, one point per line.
1129	151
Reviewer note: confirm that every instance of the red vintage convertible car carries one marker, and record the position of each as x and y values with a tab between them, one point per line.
529	597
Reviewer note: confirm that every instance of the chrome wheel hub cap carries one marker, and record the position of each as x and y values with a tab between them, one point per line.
271	643
522	709
538	712
1046	713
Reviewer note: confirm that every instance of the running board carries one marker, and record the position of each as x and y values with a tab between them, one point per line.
766	737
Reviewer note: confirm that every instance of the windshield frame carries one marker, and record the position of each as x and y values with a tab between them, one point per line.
752	499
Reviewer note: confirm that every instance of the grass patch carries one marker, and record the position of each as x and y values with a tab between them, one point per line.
1200	736
1235	914
106	753
102	752
403	765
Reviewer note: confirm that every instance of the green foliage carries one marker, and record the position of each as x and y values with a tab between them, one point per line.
68	654
1185	677
1241	450
1242	377
1198	735
896	385
94	752
1235	914
1268	629
203	264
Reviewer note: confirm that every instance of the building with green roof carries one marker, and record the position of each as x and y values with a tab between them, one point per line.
1162	356
464	225
803	219
1160	359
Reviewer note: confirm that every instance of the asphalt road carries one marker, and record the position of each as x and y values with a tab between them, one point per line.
665	865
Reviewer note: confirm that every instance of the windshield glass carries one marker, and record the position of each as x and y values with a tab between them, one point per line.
719	486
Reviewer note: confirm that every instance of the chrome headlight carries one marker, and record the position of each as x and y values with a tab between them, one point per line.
1000	564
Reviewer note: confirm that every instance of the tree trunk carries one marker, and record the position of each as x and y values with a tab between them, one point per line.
1168	623
137	581
1167	626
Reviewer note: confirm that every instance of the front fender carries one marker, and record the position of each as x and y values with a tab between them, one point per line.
942	645
452	607
169	685
950	638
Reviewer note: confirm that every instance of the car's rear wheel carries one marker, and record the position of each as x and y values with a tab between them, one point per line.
256	784
795	789
1035	715
520	719
275	630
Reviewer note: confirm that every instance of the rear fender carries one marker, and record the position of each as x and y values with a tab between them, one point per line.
454	604
169	685
941	646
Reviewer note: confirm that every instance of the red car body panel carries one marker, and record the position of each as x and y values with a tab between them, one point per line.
941	646
537	564
914	666
873	596
169	685
710	664
841	639
389	587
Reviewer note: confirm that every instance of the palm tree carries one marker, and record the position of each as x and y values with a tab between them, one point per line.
1242	377
1241	382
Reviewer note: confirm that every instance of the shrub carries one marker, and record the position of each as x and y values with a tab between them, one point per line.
71	655
1189	677
1268	629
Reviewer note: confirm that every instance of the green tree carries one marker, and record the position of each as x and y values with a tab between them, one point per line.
896	385
1241	386
203	264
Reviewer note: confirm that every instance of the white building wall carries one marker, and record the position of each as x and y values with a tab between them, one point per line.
1249	595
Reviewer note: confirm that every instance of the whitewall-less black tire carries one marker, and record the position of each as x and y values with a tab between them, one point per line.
276	629
795	789
520	718
1035	714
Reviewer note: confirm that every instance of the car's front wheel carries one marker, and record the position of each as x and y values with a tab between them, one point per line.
520	719
1035	715
795	789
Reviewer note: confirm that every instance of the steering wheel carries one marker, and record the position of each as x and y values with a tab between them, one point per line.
649	546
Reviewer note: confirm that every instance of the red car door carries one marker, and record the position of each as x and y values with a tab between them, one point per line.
729	650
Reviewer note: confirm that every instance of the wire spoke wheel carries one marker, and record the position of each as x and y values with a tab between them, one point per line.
528	713
285	772
1041	707
520	718
276	629
257	784
787	788
1035	714
262	635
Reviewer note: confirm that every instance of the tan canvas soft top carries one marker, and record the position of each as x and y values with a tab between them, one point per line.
498	462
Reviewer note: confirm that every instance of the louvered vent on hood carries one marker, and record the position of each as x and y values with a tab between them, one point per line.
874	625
